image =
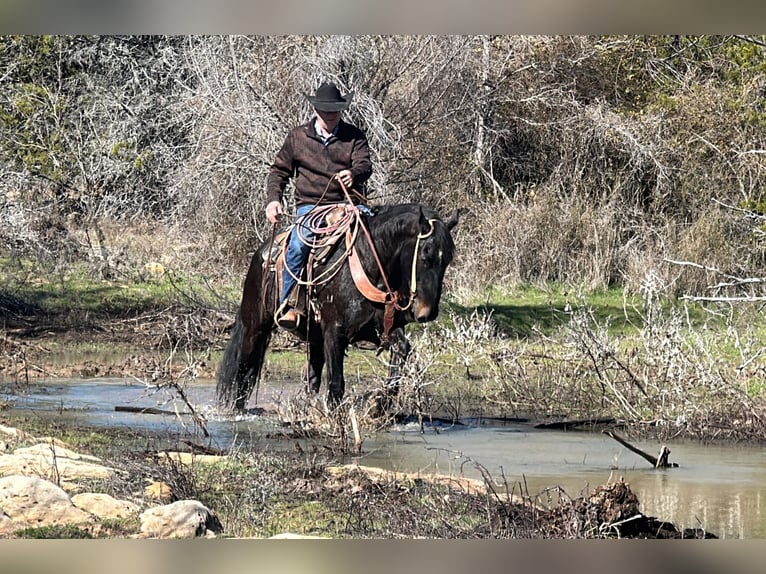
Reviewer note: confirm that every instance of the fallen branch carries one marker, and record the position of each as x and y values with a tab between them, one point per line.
660	461
566	425
754	299
197	448
144	410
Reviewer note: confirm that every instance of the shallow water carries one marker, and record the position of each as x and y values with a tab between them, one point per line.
720	488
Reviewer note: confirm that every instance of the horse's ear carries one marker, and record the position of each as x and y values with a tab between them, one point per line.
423	221
452	220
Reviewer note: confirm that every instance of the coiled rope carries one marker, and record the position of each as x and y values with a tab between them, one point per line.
326	230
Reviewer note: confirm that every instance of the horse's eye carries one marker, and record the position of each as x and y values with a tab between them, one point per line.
427	251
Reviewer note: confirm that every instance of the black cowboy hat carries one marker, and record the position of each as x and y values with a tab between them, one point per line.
328	99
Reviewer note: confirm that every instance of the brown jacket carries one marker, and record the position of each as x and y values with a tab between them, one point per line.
313	164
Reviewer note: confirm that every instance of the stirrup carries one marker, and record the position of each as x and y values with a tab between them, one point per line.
286	317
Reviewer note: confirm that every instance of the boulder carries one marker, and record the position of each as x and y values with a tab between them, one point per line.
104	505
159	491
54	448
52	462
14	433
27	502
180	519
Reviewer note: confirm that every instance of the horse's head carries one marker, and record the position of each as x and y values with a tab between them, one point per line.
415	247
433	251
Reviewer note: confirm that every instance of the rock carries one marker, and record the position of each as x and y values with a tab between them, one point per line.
339	476
104	505
27	501
181	519
58	443
54	448
159	491
189	458
54	463
14	433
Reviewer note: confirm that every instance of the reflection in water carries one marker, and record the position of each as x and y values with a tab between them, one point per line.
731	509
718	488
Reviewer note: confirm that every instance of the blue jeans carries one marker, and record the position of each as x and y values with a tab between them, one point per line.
297	252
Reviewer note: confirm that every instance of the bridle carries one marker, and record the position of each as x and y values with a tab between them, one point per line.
397	300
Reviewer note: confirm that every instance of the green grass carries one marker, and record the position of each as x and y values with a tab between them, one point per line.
458	349
518	311
306	517
524	310
67	531
29	288
530	314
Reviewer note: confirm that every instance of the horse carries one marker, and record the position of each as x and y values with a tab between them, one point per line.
390	275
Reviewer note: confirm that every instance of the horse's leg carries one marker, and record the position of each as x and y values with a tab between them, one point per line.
254	344
334	351
400	350
316	364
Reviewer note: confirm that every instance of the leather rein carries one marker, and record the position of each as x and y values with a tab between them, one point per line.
393	301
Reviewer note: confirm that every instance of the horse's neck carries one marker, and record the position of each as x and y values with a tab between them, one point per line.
389	247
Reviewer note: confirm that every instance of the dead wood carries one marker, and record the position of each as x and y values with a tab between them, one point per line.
568	424
660	461
197	448
145	410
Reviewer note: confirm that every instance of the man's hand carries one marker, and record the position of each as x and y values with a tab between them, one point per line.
273	211
345	177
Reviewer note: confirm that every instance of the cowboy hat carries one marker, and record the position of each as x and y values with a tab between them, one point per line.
328	99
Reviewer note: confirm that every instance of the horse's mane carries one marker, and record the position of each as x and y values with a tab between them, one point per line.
392	221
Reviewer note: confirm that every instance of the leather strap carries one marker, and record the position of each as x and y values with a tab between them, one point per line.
370	291
361	280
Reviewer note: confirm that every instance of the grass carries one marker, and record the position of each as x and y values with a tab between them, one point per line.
77	292
306	517
527	310
519	311
65	531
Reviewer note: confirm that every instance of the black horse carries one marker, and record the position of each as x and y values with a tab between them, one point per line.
412	249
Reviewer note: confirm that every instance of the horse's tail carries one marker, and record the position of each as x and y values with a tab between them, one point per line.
227	387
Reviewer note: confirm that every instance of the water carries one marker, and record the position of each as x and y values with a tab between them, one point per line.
720	488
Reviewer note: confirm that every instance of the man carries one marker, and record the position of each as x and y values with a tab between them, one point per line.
318	155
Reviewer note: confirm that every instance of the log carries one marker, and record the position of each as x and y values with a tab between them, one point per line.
566	425
145	410
357	434
660	461
197	448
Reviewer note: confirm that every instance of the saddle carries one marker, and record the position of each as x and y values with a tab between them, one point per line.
273	257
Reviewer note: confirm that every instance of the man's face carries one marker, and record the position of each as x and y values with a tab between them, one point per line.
328	120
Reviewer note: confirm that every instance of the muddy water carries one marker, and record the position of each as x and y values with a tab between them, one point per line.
720	488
